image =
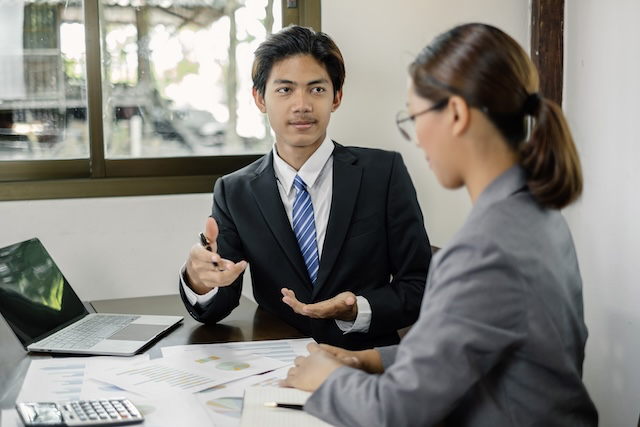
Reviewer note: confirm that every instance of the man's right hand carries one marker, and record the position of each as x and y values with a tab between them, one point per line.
206	269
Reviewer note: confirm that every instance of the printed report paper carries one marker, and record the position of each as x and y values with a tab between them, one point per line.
188	372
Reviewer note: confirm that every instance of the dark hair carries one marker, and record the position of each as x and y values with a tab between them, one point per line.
492	72
295	40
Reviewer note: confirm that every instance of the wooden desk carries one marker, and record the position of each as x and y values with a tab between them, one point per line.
246	323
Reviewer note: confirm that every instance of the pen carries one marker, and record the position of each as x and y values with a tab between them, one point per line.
204	241
207	245
284	405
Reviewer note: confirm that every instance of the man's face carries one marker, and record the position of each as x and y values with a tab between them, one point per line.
298	100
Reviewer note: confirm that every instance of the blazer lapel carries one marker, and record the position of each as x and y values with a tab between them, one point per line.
265	191
347	177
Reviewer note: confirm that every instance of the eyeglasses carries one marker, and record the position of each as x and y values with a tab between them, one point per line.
406	122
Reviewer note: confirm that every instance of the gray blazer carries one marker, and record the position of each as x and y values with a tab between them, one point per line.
500	338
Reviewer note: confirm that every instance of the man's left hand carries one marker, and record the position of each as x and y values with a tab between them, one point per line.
341	307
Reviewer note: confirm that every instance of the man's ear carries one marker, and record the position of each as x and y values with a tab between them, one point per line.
461	114
259	100
337	100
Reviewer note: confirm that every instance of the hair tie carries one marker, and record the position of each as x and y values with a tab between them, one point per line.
531	104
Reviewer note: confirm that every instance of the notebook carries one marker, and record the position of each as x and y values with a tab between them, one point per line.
46	315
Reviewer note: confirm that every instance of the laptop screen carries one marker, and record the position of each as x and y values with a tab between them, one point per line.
35	298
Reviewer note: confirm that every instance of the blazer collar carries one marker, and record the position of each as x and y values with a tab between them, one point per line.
347	177
509	182
265	191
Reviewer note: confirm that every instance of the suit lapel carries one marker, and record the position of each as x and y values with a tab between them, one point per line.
265	191
347	177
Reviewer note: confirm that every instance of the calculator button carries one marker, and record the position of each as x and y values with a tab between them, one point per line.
100	412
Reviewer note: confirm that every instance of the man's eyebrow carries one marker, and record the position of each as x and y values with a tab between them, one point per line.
291	82
284	81
318	81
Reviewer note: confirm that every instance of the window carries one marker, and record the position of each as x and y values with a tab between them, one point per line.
123	97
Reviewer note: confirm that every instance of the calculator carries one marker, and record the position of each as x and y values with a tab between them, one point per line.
98	412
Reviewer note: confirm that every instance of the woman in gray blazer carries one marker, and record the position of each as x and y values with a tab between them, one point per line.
500	338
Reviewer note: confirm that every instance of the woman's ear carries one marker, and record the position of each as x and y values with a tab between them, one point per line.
461	114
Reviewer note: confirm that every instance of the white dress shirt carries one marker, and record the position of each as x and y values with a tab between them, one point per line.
317	173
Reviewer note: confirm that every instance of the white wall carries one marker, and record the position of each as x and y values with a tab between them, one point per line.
112	247
602	102
378	41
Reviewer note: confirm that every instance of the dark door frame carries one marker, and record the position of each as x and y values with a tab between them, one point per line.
547	45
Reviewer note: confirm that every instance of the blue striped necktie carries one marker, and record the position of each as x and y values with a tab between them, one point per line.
304	226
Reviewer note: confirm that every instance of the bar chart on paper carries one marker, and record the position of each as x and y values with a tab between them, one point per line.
190	372
157	374
69	378
61	380
285	350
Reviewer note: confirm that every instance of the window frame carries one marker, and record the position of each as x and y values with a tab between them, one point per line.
101	177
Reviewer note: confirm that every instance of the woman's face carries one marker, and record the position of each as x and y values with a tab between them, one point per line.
433	131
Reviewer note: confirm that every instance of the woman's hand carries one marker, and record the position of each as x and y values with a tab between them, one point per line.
367	360
310	372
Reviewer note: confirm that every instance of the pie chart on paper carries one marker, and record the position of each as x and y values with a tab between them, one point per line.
230	406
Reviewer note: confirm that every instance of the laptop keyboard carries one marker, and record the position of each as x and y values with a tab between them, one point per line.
87	333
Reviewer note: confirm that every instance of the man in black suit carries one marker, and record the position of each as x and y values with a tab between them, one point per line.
358	274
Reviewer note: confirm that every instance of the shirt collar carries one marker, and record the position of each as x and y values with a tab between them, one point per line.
309	171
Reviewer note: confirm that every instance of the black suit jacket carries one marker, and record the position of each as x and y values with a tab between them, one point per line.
375	246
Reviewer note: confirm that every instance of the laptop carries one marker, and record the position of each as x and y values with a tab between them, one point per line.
46	315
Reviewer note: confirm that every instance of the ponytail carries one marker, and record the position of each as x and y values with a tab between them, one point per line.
550	158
